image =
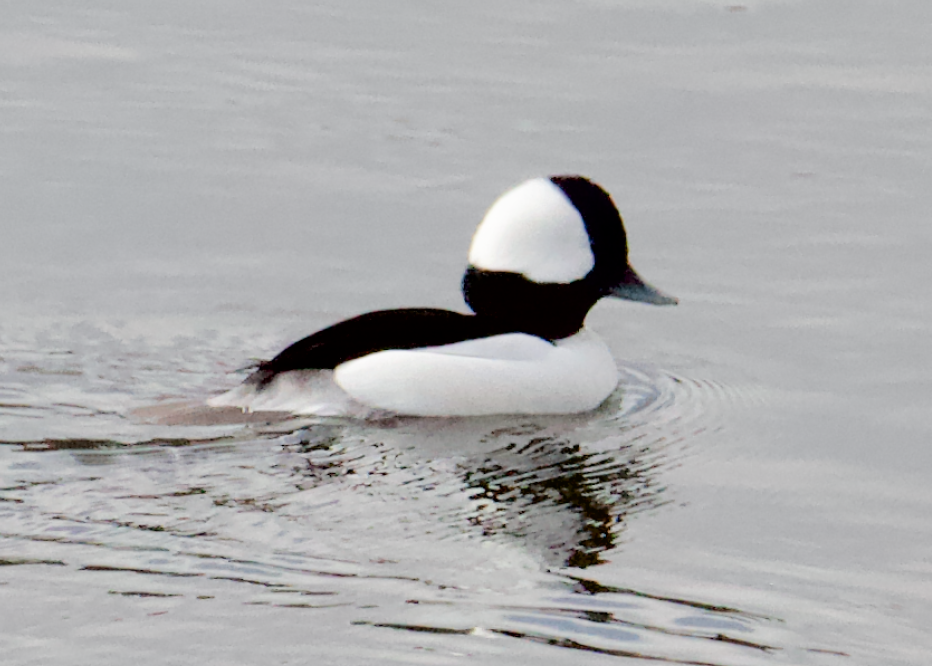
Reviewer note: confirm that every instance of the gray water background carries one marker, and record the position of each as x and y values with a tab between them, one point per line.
189	185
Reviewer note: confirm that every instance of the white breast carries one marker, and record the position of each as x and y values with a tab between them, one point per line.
506	374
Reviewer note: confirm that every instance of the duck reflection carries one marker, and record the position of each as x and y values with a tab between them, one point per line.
563	488
567	503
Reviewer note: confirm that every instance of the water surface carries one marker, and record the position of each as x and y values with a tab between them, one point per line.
189	186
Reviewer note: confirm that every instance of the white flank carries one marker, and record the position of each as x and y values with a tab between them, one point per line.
536	231
506	374
304	392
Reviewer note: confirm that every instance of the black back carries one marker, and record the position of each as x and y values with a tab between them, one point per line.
409	328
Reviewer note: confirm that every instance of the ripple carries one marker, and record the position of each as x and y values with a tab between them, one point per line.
317	513
619	623
562	487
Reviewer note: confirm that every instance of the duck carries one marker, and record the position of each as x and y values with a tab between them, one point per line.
543	255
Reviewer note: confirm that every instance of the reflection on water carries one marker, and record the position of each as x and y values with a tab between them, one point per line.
544	491
296	514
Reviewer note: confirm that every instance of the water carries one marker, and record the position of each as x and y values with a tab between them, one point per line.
187	186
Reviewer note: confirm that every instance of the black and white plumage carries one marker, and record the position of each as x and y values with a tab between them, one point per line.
544	254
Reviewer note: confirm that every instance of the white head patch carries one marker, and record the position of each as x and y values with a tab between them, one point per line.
536	231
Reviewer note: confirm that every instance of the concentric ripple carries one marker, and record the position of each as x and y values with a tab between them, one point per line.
479	527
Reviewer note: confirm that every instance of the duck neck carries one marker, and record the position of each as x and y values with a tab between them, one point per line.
549	311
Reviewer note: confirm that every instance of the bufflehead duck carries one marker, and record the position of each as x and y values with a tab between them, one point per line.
544	254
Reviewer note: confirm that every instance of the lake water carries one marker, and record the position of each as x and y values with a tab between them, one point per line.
187	186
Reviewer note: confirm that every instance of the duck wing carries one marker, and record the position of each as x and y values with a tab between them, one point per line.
407	328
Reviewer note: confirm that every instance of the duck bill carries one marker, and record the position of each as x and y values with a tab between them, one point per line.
633	288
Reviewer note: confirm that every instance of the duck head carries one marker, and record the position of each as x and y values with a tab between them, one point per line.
546	252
